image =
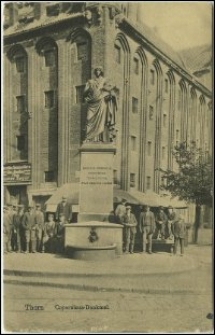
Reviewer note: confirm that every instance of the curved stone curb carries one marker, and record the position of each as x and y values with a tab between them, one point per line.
103	289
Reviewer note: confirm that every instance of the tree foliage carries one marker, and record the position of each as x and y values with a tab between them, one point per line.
193	179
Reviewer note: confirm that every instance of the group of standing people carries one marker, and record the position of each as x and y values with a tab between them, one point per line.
160	226
27	231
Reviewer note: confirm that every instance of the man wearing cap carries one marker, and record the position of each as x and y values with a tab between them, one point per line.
120	211
39	221
161	220
14	232
10	214
130	230
17	228
179	232
29	227
6	230
60	228
171	218
65	208
49	233
147	228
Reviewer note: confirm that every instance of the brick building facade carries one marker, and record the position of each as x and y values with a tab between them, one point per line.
50	51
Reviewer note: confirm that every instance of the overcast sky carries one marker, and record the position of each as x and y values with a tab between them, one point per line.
180	24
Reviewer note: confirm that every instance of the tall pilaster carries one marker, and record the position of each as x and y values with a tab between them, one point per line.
64	103
34	108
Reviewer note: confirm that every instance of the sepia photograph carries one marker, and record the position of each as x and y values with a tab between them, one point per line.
107	167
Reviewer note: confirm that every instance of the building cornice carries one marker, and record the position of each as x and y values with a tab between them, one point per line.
43	25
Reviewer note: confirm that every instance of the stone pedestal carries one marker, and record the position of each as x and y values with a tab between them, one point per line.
96	181
92	238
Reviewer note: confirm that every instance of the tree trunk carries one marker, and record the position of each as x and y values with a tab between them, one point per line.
197	221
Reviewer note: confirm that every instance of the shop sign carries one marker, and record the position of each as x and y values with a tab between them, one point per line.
17	173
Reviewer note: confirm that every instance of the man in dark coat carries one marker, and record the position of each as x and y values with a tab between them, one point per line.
130	230
10	214
17	228
29	227
179	232
59	233
65	208
147	228
6	230
161	221
39	220
171	219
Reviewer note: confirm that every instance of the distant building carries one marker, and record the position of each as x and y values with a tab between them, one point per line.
50	51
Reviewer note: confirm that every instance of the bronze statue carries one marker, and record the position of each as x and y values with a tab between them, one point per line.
102	106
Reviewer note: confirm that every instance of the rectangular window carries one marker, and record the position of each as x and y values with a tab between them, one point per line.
133	143
20	104
20	142
164	120
49	176
152	77
50	58
148	183
163	152
136	65
166	85
134	105
79	94
20	64
117	54
151	112
49	99
82	50
132	179
149	148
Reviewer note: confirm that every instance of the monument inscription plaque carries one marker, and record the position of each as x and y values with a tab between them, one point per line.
96	179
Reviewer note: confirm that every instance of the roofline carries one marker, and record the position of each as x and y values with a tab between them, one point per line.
125	24
128	27
45	25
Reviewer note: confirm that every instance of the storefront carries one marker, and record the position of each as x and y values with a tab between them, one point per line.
17	177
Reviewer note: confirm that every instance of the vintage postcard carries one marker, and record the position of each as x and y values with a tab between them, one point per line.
107	125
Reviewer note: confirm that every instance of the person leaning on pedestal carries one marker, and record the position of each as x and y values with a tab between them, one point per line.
147	228
120	211
65	208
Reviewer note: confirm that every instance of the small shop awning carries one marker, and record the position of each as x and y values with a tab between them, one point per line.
150	198
71	191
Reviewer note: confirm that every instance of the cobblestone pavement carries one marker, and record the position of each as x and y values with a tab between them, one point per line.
137	300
